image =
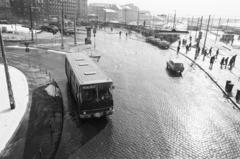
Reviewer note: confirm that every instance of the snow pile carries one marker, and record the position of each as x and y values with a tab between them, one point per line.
10	119
15	28
52	90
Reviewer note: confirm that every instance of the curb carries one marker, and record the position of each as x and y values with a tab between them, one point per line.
214	81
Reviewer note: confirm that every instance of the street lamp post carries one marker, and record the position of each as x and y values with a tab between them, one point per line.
31	22
62	30
219	22
75	35
206	32
9	85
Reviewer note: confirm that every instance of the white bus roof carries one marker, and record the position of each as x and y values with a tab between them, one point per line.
86	71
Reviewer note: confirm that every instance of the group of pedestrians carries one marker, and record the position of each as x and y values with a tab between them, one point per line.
120	34
184	43
231	64
205	52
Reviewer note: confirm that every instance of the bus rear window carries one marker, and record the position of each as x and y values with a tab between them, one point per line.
89	95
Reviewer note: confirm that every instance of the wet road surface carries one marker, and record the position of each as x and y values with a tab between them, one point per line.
157	115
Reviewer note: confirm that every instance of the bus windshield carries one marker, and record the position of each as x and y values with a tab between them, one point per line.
89	95
104	94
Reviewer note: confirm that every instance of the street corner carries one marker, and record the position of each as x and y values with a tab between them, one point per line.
45	122
41	137
11	118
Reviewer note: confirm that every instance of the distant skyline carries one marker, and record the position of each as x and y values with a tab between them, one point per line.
223	8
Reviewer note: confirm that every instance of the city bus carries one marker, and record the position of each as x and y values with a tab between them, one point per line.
90	87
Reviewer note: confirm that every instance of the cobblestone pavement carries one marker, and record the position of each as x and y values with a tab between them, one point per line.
157	115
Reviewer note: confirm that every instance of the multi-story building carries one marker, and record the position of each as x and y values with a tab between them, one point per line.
129	13
5	11
82	10
105	12
45	9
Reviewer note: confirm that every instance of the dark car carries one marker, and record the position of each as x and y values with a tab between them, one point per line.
162	44
175	66
50	28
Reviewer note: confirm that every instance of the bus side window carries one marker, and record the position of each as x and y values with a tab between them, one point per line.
80	95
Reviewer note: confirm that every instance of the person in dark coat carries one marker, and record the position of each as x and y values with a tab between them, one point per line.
226	62
232	62
212	59
217	52
187	48
210	51
222	62
190	45
178	49
179	43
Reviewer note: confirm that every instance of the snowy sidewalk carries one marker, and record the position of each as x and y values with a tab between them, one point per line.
10	119
220	76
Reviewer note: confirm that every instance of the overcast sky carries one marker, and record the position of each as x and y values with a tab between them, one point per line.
228	8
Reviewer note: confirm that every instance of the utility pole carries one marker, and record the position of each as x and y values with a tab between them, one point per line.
153	22
192	21
9	85
206	32
138	17
75	35
125	10
218	29
174	21
197	28
227	24
200	28
31	21
62	30
167	19
211	24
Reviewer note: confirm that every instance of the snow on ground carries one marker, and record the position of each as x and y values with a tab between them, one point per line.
15	28
10	119
52	90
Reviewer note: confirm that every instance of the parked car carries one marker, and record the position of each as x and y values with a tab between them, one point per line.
175	66
162	44
49	28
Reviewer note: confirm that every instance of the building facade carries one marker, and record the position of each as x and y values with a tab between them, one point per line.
46	9
5	10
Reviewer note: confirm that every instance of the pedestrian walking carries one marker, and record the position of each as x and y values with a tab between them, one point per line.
120	33
210	51
198	49
222	62
126	34
190	45
178	49
226	62
232	41
212	59
234	60
179	43
217	52
203	50
187	47
204	54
